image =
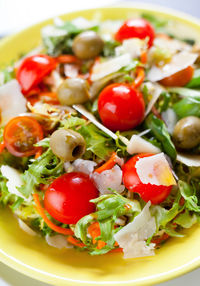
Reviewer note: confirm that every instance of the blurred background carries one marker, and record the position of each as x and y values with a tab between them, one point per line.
19	14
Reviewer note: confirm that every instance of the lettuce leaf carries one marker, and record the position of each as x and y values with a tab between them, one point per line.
97	141
42	171
186	219
109	208
189	194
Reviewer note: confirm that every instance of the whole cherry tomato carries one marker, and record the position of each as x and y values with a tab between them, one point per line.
32	71
68	197
180	78
121	107
20	135
148	192
136	28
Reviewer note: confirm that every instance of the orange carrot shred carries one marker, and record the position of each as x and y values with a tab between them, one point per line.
38	153
140	75
94	231
2	147
115	250
67	59
107	165
143	57
50	224
75	241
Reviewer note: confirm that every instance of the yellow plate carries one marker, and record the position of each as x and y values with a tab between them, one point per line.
33	257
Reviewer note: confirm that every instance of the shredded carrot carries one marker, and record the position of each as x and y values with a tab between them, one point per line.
38	153
75	241
182	201
94	231
115	250
160	239
107	165
67	59
2	147
50	224
33	91
49	97
143	57
140	75
155	112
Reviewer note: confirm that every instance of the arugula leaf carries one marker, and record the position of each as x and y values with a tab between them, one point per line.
42	171
159	130
188	193
186	219
169	229
187	107
72	122
97	141
195	81
109	208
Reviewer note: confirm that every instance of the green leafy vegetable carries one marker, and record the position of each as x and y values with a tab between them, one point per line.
195	81
186	219
187	107
42	171
130	67
158	23
109	48
185	92
189	194
72	122
7	75
159	130
97	141
109	208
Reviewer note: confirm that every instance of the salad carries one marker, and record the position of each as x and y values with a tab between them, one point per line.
100	136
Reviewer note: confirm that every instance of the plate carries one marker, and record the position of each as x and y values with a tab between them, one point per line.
33	257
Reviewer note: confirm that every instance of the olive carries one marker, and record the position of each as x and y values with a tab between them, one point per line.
67	144
87	45
73	91
186	133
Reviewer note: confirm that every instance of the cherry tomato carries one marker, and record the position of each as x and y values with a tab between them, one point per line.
68	197
20	135
121	107
32	71
136	28
148	192
180	78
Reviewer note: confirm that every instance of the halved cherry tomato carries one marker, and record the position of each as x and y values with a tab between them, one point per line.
180	78
136	28
32	71
148	192
68	197
121	107
20	135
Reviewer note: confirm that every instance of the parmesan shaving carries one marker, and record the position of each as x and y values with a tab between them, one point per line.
139	145
189	160
155	170
132	236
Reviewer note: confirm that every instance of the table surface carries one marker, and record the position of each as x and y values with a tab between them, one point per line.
10	22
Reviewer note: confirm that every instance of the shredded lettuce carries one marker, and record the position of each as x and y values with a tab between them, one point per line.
42	171
97	141
109	208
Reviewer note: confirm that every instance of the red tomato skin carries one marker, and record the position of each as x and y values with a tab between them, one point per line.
32	71
121	107
18	132
148	192
68	197
136	28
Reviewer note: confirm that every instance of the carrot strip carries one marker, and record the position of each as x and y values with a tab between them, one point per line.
75	241
140	75
38	153
67	59
143	57
49	97
50	224
94	231
2	147
160	239
107	165
116	250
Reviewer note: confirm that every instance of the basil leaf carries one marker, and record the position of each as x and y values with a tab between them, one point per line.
187	107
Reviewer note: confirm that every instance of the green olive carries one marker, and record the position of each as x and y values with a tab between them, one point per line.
67	144
87	45
186	133
73	91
